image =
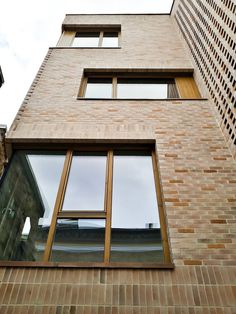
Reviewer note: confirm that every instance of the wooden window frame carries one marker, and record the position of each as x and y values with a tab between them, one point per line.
106	214
101	36
185	85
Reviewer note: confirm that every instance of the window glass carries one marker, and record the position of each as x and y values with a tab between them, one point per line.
86	183
28	195
27	198
142	88
110	39
86	39
99	88
46	170
135	234
79	240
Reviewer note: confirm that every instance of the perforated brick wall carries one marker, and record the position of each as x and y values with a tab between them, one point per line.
209	28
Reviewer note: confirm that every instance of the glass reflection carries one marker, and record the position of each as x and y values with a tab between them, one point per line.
142	88
27	197
79	240
86	183
110	39
99	88
135	235
46	170
86	40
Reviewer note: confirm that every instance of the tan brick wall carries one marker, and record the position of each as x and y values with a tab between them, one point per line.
197	178
188	289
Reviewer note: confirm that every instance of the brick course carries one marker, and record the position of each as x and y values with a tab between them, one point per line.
188	289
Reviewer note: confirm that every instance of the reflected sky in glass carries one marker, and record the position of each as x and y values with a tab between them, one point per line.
140	89
134	202
47	170
86	183
86	40
135	234
110	40
99	88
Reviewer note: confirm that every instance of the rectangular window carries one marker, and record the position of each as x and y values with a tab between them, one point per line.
86	183
94	207
110	39
98	84
97	39
135	226
129	88
99	88
27	198
79	240
145	88
86	40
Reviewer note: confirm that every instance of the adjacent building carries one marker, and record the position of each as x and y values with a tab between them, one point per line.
2	133
1	77
119	196
208	28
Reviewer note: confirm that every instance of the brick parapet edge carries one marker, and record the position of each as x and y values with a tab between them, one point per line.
30	91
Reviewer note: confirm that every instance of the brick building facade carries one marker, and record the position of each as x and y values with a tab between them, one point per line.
196	173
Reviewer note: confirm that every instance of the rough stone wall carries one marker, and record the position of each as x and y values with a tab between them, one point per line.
209	29
2	149
197	174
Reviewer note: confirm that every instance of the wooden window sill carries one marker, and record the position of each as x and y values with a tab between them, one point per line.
86	265
143	99
70	47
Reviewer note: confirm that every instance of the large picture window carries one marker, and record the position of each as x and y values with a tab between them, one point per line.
90	207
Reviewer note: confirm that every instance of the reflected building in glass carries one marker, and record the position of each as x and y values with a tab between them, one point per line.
1	77
118	195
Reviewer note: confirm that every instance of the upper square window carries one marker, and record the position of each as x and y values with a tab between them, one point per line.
110	39
99	88
98	39
86	40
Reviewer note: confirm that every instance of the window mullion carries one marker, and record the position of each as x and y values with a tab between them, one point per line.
119	39
106	182
161	211
58	204
114	87
83	87
108	208
100	39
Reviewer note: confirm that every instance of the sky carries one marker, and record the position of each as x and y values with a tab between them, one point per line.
28	28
